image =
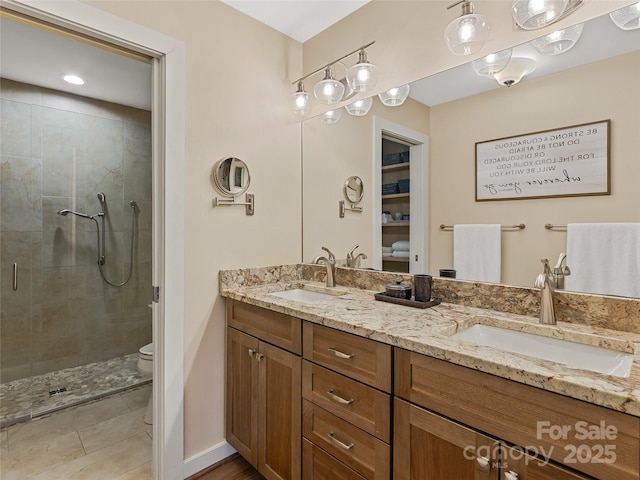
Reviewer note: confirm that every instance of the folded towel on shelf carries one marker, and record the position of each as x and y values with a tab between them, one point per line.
400	254
401	245
477	252
604	258
387	251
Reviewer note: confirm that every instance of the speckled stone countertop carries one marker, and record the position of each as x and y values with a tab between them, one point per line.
428	331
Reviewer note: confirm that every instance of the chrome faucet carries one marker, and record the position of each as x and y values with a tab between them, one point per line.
545	283
331	266
560	271
352	261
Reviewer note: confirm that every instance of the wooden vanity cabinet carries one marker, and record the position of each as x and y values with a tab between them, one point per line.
346	390
521	415
263	391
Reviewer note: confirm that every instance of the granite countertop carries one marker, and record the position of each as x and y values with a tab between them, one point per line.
428	331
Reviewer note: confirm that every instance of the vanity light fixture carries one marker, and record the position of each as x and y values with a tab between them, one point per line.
394	97
627	18
359	78
363	75
517	68
73	79
466	34
331	117
493	63
559	41
360	107
534	14
328	90
300	100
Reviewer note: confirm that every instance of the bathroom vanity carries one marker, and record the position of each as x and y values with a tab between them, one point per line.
336	385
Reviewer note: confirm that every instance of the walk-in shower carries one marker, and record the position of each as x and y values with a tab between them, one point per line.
100	239
72	327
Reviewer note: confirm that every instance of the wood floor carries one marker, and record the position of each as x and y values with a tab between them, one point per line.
235	468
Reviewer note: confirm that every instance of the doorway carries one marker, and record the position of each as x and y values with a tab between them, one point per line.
168	202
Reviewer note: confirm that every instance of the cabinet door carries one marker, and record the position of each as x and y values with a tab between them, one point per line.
517	465
279	413
242	394
430	447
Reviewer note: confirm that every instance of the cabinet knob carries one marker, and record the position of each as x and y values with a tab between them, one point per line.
484	464
511	475
251	352
259	356
338	398
339	354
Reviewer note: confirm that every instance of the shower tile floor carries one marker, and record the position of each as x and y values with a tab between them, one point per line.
105	439
28	398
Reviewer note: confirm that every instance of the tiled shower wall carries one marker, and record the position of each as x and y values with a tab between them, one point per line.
58	151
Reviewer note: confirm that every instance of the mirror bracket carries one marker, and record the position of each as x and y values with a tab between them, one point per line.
225	202
343	207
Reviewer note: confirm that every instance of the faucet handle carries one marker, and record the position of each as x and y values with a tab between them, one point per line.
332	257
350	254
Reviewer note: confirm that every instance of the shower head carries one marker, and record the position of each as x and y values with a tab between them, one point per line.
66	212
101	198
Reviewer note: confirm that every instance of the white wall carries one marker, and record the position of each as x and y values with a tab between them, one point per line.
237	83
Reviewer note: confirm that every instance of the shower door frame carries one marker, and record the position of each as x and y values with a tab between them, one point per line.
168	134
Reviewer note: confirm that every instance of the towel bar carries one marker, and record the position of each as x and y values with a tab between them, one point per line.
520	226
550	226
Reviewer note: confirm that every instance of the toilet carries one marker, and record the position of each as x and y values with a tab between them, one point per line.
145	367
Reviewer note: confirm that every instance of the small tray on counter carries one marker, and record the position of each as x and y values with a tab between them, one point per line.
383	297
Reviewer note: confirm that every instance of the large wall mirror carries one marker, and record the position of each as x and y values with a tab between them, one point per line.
458	108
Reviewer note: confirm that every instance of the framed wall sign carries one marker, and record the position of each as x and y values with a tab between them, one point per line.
569	161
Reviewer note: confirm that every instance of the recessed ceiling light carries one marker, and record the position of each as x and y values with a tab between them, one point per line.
73	79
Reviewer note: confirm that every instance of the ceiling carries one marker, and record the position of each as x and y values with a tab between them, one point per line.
39	57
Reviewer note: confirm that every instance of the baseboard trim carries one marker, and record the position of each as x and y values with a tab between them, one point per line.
207	458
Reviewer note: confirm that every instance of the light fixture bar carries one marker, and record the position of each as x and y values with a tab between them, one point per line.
333	63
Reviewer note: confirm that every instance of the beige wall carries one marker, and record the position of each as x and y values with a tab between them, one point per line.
332	153
600	91
237	81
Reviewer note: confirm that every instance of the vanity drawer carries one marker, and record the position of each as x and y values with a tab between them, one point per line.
355	402
319	465
281	330
364	453
361	358
512	411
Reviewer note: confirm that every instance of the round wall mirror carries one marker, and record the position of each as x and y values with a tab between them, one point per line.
231	176
353	190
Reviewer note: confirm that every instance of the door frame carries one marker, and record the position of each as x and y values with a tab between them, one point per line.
419	207
168	134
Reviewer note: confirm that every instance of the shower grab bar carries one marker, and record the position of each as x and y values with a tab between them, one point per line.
15	277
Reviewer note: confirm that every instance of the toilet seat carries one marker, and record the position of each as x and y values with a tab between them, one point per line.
146	352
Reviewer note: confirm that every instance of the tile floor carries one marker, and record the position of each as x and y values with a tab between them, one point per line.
103	440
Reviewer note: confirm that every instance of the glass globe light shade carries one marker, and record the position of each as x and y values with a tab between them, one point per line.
394	97
363	75
533	14
359	107
558	42
493	63
331	117
466	34
300	104
627	18
328	90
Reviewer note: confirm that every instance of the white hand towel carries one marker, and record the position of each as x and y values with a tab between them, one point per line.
401	245
387	250
604	258
400	254
477	252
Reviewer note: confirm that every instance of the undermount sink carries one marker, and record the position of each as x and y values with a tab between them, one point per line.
307	294
572	354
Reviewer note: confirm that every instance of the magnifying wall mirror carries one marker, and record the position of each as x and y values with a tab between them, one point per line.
231	176
353	190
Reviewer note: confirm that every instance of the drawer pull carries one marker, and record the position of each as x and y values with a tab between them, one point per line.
511	475
483	464
339	354
338	398
338	443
